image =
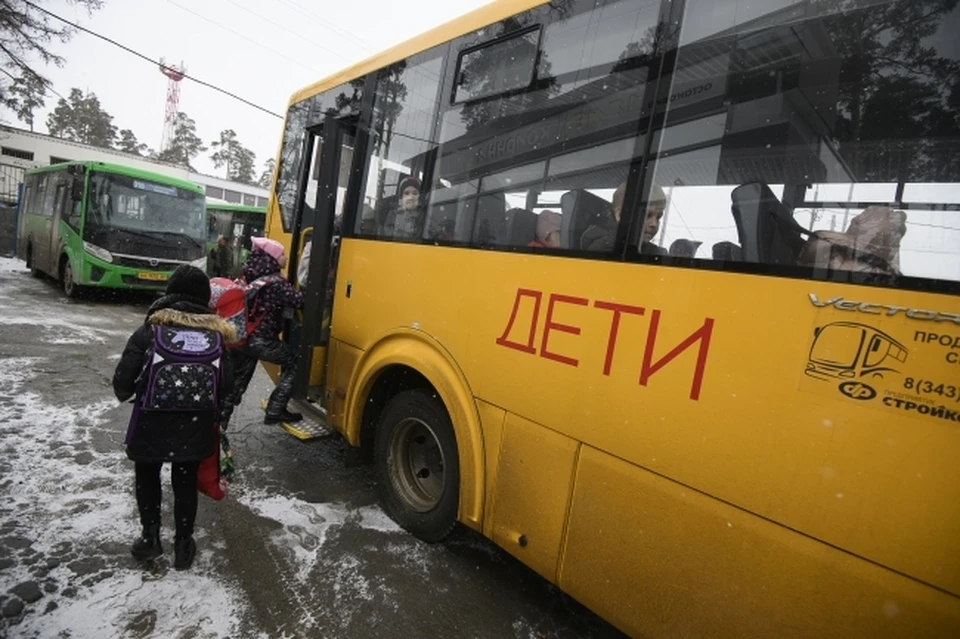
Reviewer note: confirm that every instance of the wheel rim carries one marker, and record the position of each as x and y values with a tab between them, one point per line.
416	465
67	279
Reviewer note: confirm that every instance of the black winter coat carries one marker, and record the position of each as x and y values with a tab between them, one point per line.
170	437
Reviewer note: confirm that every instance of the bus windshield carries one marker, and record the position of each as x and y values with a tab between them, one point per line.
838	346
141	207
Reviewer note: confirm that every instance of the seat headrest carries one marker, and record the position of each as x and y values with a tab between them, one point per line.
580	209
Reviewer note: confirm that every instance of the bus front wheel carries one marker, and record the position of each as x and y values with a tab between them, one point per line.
418	471
70	287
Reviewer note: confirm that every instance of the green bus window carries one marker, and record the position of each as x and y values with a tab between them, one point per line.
74	216
49	197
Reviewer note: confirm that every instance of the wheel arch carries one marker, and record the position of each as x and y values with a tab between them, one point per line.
409	359
64	258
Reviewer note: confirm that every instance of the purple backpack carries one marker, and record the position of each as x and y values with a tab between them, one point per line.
183	372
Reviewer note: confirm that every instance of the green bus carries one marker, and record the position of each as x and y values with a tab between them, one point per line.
92	224
235	223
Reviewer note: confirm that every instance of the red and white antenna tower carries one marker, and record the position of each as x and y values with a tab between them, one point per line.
174	75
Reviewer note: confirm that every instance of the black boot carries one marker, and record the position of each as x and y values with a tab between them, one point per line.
281	416
184	551
148	546
277	404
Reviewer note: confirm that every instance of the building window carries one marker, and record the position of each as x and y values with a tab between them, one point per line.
249	200
262	201
16	153
214	192
232	196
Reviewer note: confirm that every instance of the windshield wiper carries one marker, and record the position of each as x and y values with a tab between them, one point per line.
130	231
192	239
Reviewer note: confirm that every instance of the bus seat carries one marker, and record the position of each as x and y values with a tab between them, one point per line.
488	226
768	233
580	209
521	227
727	251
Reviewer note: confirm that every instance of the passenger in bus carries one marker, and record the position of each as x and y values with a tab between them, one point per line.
272	301
548	230
601	235
871	244
684	248
405	221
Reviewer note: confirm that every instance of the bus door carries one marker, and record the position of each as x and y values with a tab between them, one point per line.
59	202
324	194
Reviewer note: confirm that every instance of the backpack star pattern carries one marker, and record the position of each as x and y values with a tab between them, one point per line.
184	370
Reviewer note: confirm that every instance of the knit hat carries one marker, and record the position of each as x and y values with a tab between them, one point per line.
547	223
191	281
272	248
409	181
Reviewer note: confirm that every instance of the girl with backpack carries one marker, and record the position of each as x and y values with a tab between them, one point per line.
177	368
272	299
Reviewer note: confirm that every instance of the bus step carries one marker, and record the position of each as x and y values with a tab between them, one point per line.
313	426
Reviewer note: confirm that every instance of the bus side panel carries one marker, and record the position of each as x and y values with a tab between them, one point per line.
534	478
712	570
343	361
491	422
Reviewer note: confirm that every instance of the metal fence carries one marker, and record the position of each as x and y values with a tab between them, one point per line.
10	177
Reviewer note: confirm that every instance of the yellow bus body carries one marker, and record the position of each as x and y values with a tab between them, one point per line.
672	464
770	499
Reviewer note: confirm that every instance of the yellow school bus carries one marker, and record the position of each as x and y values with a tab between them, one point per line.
661	297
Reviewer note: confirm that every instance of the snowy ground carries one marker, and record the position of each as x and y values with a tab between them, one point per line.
298	549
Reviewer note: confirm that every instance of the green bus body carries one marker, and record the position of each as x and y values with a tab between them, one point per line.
237	224
93	224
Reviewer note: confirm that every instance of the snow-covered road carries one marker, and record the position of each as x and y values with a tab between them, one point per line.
298	549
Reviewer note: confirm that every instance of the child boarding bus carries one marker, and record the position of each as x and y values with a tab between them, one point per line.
236	223
592	254
91	224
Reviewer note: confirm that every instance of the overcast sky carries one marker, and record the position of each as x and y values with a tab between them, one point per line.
262	50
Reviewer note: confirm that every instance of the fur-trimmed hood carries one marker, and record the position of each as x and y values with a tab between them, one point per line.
210	322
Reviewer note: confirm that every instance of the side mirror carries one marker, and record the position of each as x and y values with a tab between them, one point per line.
76	188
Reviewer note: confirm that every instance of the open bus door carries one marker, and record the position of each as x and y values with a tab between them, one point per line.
325	191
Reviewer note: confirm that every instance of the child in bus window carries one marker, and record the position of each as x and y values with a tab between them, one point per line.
601	235
404	221
548	230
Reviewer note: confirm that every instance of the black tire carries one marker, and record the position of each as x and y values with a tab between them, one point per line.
70	287
34	271
418	470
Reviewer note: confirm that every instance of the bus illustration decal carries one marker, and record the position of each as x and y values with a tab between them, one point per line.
852	351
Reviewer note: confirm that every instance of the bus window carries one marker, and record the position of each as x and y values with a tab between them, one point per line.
402	127
842	171
49	196
574	128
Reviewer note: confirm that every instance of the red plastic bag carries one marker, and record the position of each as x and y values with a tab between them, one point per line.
209	481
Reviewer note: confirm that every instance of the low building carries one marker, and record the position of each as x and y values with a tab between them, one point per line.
21	150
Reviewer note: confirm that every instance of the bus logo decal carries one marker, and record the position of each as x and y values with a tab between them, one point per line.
850	351
871	308
857	390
